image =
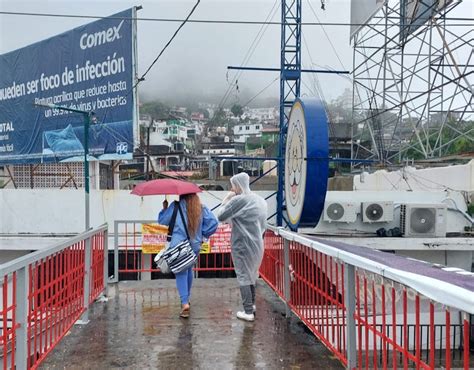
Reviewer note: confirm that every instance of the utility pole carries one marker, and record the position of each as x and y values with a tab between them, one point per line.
147	176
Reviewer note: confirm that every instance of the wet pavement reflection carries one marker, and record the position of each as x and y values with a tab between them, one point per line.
139	328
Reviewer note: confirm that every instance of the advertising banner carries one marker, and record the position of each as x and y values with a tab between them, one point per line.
220	240
89	68
154	238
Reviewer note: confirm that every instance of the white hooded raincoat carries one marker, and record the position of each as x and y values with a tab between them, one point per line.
247	212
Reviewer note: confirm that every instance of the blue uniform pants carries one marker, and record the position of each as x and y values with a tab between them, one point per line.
184	282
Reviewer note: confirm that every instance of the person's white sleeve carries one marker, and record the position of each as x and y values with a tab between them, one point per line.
230	209
224	212
228	197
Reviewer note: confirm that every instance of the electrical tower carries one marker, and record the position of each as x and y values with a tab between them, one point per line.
413	81
290	78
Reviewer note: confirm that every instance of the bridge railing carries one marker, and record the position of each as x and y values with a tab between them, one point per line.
44	293
130	262
368	313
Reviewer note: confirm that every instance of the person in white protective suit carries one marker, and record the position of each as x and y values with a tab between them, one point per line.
247	212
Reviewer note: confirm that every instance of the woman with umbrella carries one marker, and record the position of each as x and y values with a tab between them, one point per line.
199	223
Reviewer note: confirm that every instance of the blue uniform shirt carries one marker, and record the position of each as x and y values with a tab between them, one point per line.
206	228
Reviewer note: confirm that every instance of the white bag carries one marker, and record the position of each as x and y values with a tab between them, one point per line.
161	262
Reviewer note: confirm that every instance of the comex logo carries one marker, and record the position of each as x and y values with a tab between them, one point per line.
90	40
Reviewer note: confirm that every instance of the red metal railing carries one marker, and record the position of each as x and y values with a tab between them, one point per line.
394	326
55	299
132	262
9	323
272	268
44	295
99	266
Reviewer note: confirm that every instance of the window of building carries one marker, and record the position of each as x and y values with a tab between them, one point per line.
240	128
257	127
247	128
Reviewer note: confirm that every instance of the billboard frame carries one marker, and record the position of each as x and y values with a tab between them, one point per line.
407	97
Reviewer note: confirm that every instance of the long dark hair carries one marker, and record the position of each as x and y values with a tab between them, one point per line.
194	211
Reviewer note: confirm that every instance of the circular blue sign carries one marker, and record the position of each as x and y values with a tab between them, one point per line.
306	162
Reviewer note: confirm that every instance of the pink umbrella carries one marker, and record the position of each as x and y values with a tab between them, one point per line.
165	187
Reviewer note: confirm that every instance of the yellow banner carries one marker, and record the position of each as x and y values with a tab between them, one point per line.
153	238
205	248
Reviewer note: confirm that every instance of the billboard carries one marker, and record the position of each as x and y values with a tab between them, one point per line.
415	13
362	12
89	68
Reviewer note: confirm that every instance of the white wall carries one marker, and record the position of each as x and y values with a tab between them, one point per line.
455	220
460	177
461	259
248	129
53	211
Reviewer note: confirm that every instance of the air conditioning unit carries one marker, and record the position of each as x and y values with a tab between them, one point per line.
423	220
377	211
340	212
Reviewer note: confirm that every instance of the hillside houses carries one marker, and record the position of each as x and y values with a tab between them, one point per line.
189	139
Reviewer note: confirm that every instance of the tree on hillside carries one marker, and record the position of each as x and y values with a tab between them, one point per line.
219	118
157	110
456	146
237	110
205	112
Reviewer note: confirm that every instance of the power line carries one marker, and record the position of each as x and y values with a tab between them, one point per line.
142	78
170	40
226	21
249	53
327	36
261	91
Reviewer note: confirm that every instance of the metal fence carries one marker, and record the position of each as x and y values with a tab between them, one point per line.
46	292
366	319
131	263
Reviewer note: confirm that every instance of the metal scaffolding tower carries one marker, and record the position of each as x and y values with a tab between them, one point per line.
290	77
413	81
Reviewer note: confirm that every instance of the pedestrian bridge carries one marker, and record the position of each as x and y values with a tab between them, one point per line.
320	304
139	327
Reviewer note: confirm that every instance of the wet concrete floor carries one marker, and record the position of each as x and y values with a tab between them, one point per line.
139	328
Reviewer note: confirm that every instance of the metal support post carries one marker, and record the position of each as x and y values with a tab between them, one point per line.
147	265
87	120
86	169
21	314
116	253
87	281
106	262
349	298
286	267
290	76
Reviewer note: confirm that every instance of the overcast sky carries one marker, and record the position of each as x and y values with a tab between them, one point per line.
195	64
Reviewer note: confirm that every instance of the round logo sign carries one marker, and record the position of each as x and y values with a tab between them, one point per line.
295	163
306	163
